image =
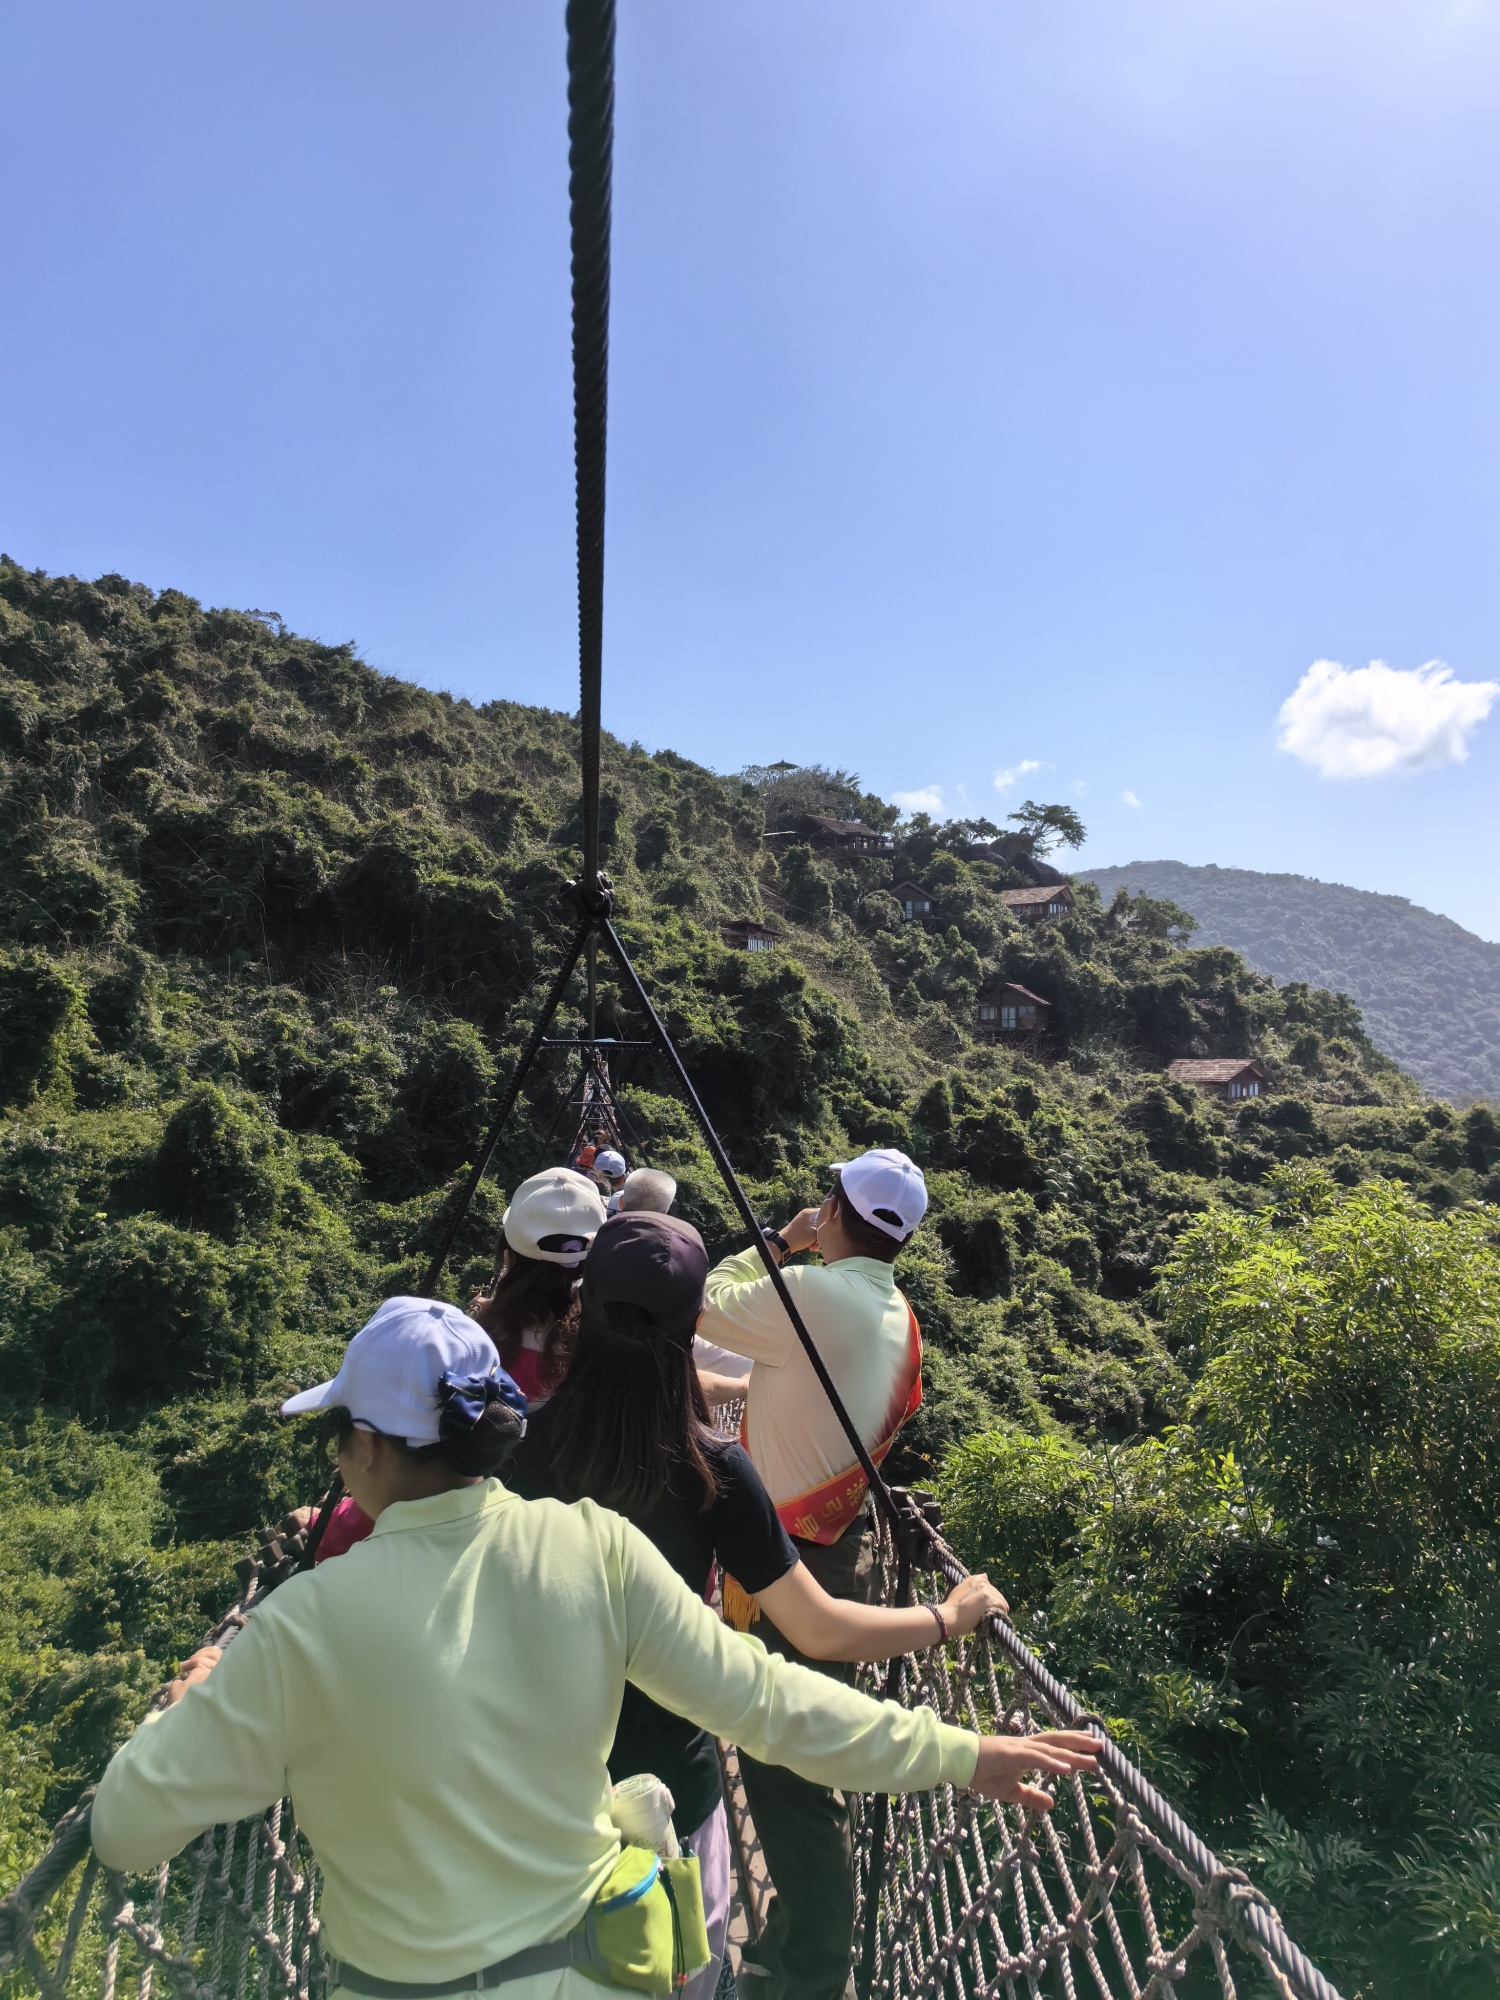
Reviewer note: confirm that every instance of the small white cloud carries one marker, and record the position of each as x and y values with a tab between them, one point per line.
1130	799
1366	722
1007	780
928	800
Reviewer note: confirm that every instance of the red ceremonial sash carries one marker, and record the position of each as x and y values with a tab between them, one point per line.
822	1513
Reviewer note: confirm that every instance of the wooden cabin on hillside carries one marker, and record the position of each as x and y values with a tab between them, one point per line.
1229	1077
825	835
1035	906
915	901
745	934
1006	1009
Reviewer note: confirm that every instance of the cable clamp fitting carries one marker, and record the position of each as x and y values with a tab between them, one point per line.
596	901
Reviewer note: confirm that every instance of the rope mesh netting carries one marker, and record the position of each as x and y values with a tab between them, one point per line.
1110	1897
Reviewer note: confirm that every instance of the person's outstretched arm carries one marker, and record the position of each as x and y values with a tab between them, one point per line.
216	1754
685	1658
831	1628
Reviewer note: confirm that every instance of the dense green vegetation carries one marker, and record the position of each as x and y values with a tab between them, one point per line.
1290	1597
1428	989
272	929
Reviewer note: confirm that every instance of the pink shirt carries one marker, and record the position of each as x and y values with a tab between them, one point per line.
350	1524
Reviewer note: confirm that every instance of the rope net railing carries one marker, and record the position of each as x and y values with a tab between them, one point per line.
1110	1896
232	1917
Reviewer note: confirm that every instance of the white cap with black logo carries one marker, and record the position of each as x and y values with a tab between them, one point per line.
554	1217
886	1188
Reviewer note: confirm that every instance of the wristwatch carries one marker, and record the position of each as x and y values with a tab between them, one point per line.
775	1236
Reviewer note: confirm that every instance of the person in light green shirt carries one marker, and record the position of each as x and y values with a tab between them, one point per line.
440	1702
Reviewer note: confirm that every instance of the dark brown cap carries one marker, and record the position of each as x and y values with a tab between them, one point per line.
656	1262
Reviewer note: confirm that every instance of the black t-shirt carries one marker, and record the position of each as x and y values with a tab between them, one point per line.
741	1532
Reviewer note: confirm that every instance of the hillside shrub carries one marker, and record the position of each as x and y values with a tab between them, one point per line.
216	1168
39	1001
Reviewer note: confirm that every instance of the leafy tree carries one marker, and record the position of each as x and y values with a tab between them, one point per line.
1049	826
1291	1597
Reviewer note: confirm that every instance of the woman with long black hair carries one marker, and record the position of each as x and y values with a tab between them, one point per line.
630	1429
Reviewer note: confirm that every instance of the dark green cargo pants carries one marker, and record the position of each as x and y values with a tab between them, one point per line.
804	1829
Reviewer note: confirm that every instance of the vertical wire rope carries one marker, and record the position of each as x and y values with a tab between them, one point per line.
591	118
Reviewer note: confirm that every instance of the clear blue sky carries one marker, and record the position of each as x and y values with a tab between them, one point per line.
991	382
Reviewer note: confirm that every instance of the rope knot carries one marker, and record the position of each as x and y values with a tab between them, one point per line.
1225	1892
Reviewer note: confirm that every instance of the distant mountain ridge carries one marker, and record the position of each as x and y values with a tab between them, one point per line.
1429	989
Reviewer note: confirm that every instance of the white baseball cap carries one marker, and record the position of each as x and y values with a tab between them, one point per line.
391	1369
886	1188
609	1162
554	1217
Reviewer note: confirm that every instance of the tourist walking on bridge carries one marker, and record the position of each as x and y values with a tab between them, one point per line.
869	1341
531	1309
630	1429
440	1701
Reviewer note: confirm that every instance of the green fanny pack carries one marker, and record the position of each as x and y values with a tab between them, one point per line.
645	1929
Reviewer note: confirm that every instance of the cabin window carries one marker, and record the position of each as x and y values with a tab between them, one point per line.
757	944
987	1013
910	907
1009	1017
1244	1090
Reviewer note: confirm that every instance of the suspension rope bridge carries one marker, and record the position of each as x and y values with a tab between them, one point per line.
1112	1896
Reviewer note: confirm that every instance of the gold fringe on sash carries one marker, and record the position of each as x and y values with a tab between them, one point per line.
740	1608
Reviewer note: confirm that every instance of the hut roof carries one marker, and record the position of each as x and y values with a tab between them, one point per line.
1010	986
1046	892
1213	1069
825	823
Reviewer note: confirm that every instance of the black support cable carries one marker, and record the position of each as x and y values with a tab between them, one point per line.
517	1077
591	122
319	1528
873	1476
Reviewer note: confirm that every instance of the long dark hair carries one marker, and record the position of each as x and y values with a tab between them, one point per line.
631	1413
532	1294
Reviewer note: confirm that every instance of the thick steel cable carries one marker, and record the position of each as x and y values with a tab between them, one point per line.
591	119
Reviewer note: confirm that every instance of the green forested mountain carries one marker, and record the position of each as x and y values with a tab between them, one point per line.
1428	989
272	927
